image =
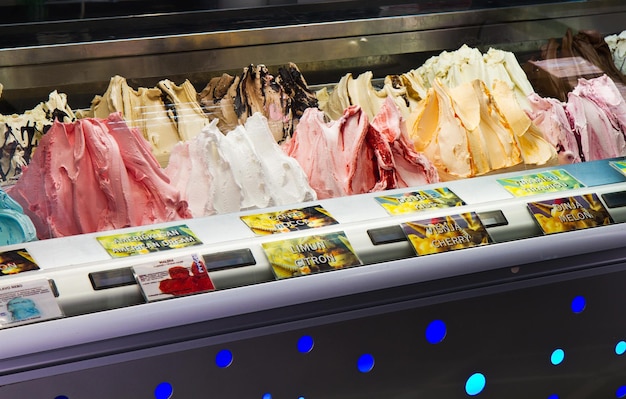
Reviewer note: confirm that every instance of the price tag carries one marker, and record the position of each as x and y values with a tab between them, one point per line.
310	254
147	241
447	233
173	277
289	220
570	213
416	201
27	302
540	183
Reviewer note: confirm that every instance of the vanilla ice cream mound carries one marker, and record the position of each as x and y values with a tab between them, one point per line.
94	175
243	169
406	90
165	114
351	156
467	64
471	130
617	45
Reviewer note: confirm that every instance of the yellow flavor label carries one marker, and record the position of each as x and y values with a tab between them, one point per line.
310	254
448	233
619	166
416	201
570	213
147	241
540	183
289	220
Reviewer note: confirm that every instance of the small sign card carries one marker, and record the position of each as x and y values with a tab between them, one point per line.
447	233
540	183
416	201
620	166
173	277
289	220
147	241
27	302
310	254
570	213
16	261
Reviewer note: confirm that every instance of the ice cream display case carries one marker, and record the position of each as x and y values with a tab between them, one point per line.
504	282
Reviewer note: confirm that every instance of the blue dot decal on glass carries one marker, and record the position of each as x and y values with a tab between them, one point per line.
365	363
436	331
620	348
475	384
621	392
267	396
553	396
224	358
61	397
305	344
163	391
557	356
578	304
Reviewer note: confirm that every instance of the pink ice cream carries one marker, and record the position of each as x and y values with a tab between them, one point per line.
408	168
95	175
334	155
351	156
548	114
597	112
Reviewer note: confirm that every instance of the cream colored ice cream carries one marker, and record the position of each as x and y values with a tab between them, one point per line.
165	114
467	64
617	45
406	90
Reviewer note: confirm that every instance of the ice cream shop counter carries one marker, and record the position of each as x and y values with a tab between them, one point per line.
505	285
312	199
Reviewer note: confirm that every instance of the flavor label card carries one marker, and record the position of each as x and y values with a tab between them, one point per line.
416	201
153	240
311	254
27	302
16	261
570	213
173	277
540	183
619	165
289	220
442	234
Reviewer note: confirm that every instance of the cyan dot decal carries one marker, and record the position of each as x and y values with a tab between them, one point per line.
557	356
621	392
436	331
224	358
365	363
163	391
578	304
305	344
620	348
475	384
